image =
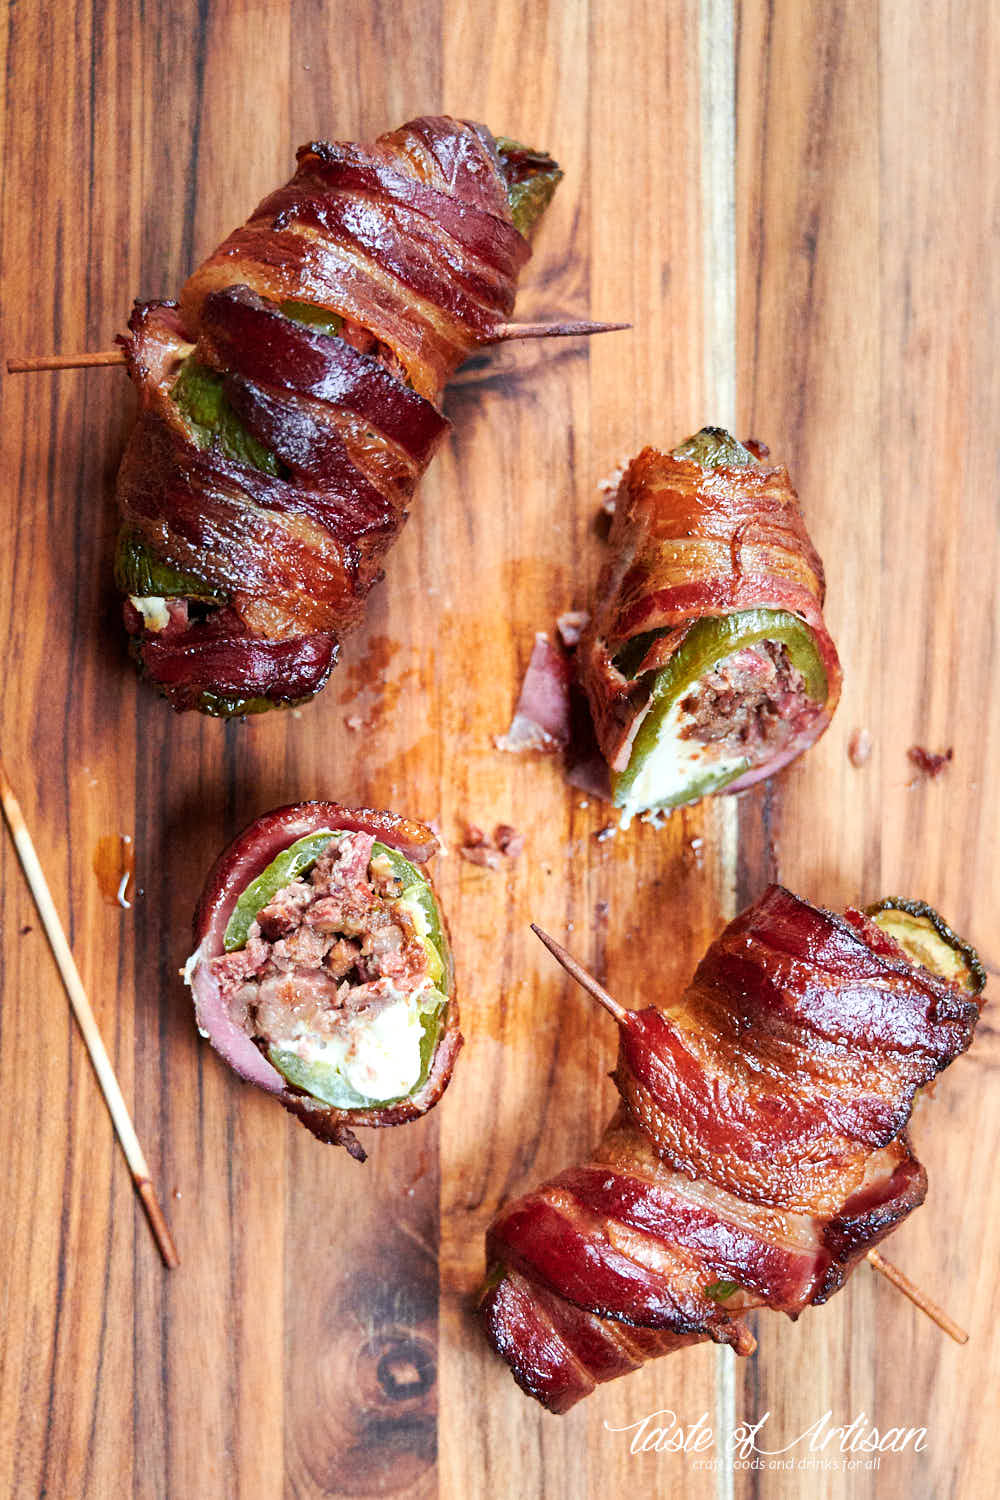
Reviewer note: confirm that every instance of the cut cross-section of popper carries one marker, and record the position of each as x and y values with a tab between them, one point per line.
322	970
707	662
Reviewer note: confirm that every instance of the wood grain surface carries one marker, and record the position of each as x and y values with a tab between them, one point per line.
796	205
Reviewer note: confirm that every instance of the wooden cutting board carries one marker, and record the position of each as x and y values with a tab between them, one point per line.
796	205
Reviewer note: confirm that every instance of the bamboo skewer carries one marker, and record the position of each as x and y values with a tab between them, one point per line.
502	333
885	1268
77	995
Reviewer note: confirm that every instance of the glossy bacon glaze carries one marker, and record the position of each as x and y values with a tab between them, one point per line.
689	543
410	239
232	872
761	1141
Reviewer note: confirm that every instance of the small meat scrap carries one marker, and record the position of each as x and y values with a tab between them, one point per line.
759	449
508	840
571	626
859	748
928	762
479	850
506	843
541	719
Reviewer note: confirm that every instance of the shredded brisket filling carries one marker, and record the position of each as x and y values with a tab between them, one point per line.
330	948
752	705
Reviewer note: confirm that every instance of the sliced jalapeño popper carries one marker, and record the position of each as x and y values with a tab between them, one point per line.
707	663
291	399
322	970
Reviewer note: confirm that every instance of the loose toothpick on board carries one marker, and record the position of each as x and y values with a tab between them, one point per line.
885	1268
502	333
117	1107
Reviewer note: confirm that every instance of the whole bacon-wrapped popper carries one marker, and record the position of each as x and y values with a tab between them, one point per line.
291	401
760	1149
322	970
707	663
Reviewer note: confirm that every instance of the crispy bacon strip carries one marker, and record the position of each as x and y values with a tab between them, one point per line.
759	1152
232	872
411	242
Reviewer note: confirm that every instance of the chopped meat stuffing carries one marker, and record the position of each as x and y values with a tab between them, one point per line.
327	947
753	704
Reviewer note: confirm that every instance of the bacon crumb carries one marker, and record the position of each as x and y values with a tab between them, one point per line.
928	762
759	450
506	843
859	748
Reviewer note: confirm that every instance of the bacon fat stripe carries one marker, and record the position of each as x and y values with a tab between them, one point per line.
410	241
760	1150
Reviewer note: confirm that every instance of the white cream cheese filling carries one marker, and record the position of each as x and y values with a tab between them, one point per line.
377	1056
674	764
154	611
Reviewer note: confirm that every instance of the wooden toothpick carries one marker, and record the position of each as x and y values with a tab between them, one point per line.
117	1107
884	1267
502	333
506	331
582	977
34	362
905	1285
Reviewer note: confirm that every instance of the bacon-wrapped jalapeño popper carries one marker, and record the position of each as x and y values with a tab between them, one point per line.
707	663
760	1149
290	402
322	970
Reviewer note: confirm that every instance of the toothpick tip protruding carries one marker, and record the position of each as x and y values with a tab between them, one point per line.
582	977
917	1297
504	332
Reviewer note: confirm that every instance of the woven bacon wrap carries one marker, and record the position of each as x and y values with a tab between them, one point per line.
759	1152
689	543
411	241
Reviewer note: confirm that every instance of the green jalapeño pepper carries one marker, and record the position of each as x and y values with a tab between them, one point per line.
532	178
927	940
669	764
408	892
